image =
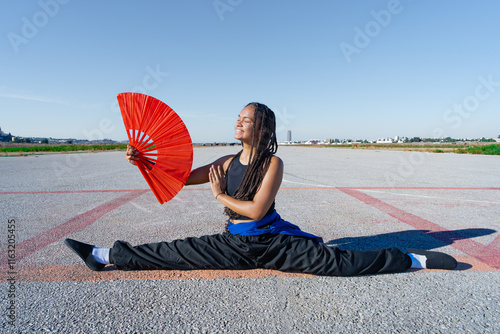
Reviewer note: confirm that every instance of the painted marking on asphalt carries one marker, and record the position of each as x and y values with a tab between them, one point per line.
35	243
70	191
433	197
80	273
313	187
489	254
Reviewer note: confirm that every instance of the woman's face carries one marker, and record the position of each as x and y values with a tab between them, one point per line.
244	127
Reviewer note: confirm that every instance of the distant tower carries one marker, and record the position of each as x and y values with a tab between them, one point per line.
289	136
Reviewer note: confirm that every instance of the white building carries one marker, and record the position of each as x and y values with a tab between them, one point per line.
385	141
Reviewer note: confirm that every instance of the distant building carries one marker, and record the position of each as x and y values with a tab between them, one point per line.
5	137
289	136
331	141
384	141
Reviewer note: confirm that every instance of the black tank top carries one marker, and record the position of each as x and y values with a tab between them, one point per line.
234	177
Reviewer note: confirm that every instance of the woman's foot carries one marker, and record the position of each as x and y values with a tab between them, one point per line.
84	251
432	260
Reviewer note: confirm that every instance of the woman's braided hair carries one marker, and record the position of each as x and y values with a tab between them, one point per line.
266	146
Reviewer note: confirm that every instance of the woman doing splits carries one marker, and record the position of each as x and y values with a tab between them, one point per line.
247	184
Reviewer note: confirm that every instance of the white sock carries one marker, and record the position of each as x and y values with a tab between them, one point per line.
101	255
418	261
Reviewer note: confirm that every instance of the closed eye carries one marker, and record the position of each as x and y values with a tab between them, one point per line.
244	119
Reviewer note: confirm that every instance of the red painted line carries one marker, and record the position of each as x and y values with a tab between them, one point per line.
468	246
426	188
70	192
80	273
34	244
87	191
490	254
421	188
492	251
204	189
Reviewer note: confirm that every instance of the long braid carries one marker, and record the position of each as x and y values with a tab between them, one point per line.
266	146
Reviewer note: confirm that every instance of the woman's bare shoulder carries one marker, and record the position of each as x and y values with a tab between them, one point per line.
276	164
276	160
225	160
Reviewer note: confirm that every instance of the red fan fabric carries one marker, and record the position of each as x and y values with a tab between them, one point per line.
163	141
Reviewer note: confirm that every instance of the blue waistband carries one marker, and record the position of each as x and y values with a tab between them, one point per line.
278	226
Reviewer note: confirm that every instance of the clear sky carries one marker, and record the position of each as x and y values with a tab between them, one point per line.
329	69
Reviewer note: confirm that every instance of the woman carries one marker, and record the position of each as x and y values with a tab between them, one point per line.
247	184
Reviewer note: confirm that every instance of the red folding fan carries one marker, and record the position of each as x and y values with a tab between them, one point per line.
163	141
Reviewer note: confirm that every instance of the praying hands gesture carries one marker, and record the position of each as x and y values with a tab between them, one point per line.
217	180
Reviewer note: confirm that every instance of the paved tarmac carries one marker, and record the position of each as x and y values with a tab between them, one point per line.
354	199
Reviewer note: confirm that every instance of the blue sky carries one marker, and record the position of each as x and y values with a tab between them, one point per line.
329	69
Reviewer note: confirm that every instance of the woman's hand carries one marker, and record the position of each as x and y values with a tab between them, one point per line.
132	155
217	180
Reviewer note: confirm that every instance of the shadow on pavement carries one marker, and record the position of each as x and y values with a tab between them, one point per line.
421	239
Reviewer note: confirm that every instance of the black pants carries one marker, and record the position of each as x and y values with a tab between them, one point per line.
279	252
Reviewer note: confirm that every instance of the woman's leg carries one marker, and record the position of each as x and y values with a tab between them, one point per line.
279	252
299	254
220	251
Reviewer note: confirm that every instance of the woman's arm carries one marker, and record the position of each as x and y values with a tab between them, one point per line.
197	176
200	174
263	199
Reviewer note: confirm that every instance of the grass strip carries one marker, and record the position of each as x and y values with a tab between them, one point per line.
493	149
64	148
